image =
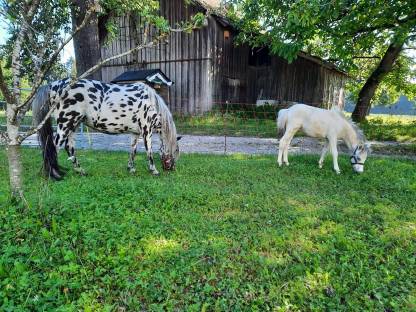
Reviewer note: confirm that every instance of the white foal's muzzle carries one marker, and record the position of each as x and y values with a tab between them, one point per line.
358	168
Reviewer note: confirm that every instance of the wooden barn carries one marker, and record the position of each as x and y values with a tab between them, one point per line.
207	68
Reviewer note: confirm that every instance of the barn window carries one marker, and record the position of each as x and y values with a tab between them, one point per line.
259	57
226	34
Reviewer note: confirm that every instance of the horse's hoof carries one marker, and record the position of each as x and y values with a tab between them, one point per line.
320	166
287	164
132	170
156	173
80	171
279	164
338	172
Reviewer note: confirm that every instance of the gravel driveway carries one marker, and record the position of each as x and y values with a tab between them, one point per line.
209	144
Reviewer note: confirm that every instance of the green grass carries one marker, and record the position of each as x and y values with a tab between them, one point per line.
390	128
220	233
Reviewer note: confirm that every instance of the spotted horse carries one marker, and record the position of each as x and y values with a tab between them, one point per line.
109	108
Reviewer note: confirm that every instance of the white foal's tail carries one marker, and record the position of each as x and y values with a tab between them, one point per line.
281	122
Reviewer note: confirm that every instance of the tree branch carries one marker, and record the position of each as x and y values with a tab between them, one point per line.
358	31
16	62
55	55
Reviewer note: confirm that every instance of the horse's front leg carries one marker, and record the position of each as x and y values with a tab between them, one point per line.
70	149
334	151
147	138
131	165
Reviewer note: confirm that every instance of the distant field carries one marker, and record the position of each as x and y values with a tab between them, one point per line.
262	124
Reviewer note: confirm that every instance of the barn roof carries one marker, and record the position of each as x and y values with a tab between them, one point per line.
209	4
150	75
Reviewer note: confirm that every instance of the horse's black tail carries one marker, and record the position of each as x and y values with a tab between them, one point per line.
40	108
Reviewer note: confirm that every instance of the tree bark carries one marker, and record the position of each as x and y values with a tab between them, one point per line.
15	171
85	56
13	155
362	108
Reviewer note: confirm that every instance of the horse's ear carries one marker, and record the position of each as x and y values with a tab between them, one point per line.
178	138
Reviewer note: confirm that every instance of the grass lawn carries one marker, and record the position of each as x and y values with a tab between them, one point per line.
221	233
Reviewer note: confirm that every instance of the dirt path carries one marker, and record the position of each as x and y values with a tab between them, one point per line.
217	144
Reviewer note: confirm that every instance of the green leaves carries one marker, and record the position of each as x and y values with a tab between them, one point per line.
340	31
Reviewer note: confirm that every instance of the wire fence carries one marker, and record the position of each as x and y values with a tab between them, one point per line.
226	121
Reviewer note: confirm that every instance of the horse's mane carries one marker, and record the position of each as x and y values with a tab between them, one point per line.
168	131
358	131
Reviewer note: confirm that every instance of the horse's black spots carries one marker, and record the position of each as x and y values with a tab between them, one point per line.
79	97
116	90
137	95
104	119
126	128
106	87
114	111
60	126
154	116
62	120
98	86
122	115
117	118
106	98
99	106
93	90
92	96
78	85
58	105
145	97
130	109
95	108
72	113
132	99
145	114
123	105
112	124
135	88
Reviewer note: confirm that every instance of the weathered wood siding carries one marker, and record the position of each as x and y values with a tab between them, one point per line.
304	81
185	58
208	68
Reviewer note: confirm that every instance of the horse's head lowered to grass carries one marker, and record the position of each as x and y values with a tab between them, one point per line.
359	156
169	148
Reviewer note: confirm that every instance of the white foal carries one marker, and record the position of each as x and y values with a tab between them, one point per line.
322	123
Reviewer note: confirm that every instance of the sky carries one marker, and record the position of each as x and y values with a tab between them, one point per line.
66	54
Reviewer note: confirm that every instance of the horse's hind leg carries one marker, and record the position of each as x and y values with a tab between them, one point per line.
323	154
147	139
70	149
134	141
284	146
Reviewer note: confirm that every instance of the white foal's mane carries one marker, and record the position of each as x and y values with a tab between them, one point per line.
360	134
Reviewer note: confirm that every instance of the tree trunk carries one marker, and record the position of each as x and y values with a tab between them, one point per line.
13	155
15	171
367	92
85	56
